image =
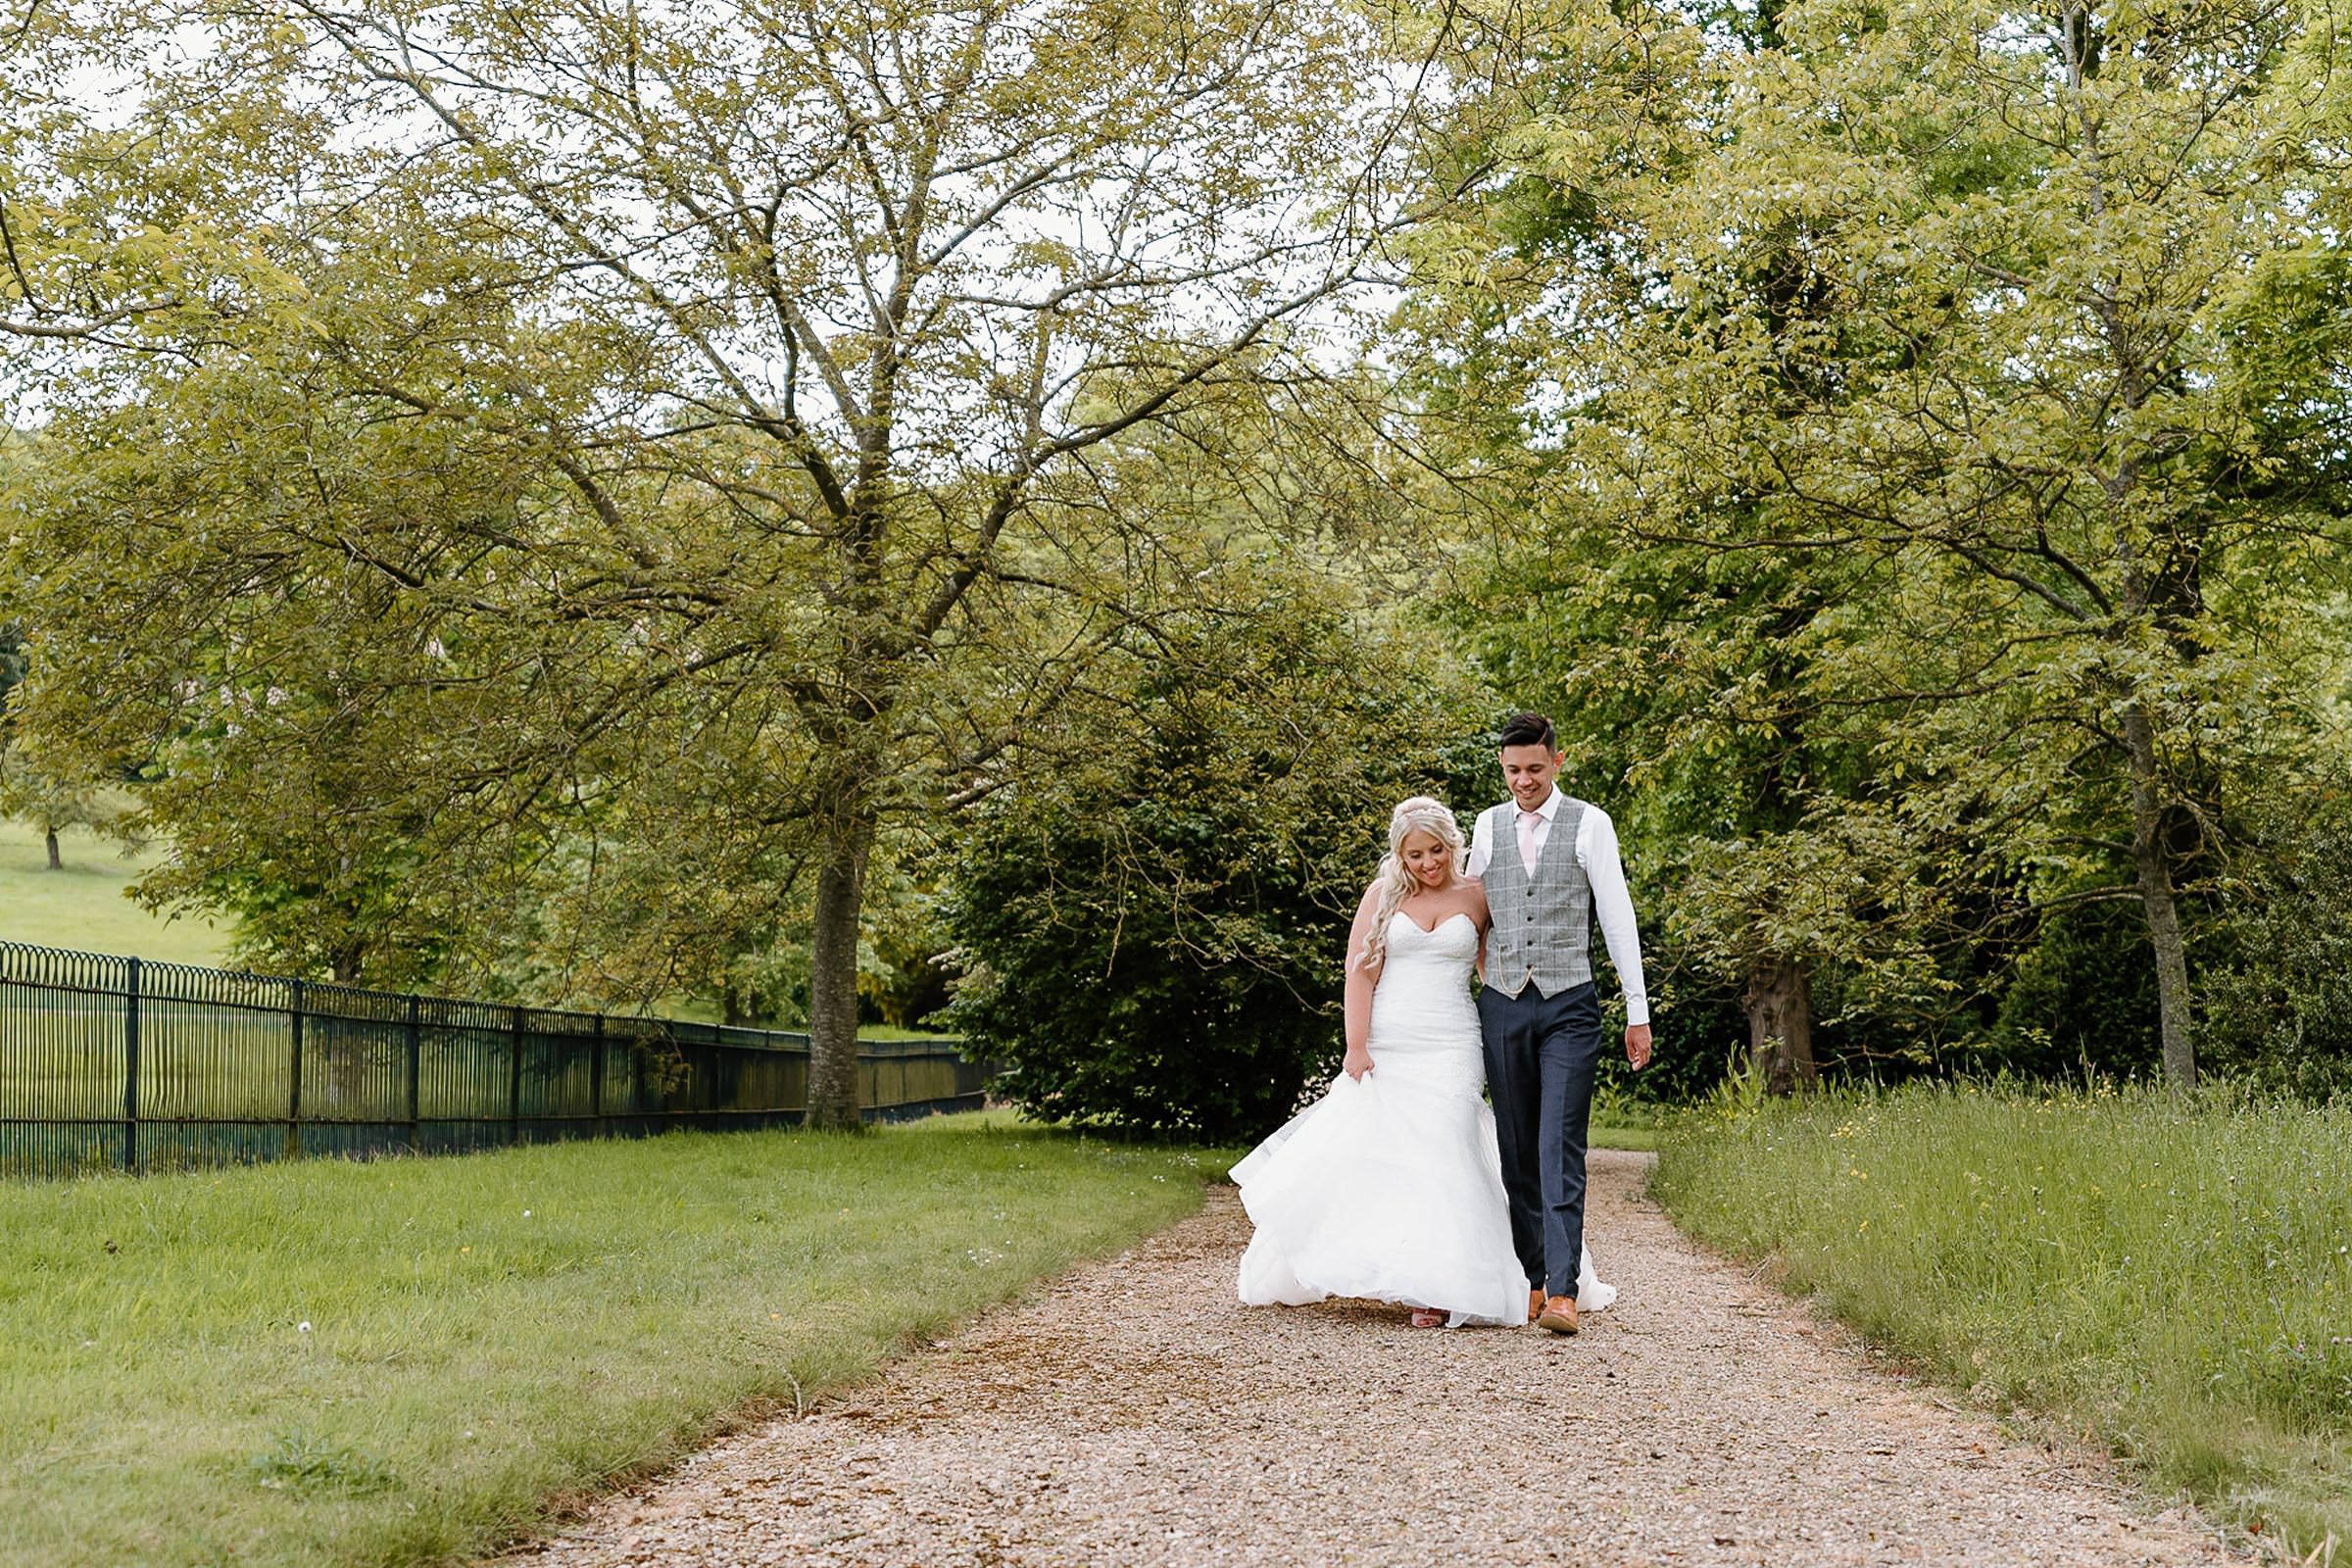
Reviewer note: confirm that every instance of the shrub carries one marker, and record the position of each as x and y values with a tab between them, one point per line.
1152	941
1160	966
2280	1010
2086	992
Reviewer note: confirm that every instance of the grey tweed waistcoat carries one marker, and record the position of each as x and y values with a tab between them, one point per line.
1543	927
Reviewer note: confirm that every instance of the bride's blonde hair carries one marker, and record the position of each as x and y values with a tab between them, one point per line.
1423	814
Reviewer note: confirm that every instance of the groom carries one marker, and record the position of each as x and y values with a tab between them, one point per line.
1550	864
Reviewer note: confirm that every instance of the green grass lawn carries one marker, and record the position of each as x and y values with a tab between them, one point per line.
891	1031
700	1011
1641	1139
399	1362
2174	1282
82	906
1622	1122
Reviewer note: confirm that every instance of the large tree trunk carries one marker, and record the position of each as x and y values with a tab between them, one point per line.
833	972
2178	1028
735	1009
56	862
1780	1024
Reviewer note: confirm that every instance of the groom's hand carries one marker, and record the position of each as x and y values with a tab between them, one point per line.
1636	1045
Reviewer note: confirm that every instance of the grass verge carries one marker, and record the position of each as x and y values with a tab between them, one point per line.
402	1362
2174	1282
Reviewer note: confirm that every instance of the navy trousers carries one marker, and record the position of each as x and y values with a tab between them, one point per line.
1541	1052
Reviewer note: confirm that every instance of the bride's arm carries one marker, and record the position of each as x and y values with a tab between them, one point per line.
1484	919
1356	1000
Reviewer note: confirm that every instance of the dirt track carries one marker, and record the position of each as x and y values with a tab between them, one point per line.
1135	1414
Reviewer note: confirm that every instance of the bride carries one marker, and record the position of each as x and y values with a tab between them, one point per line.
1390	1187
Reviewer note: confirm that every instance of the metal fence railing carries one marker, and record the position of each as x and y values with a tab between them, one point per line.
114	1064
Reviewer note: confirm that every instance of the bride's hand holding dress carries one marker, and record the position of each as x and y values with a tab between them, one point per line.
1362	978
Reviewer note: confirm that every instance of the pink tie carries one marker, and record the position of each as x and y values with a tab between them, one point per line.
1527	838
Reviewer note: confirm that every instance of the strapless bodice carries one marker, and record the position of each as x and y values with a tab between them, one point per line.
1422	1015
1451	944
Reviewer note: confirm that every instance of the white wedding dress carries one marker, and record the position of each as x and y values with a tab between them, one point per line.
1389	1188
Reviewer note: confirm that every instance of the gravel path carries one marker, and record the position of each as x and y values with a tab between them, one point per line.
1135	1414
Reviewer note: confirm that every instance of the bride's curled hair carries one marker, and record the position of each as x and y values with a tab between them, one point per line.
1423	814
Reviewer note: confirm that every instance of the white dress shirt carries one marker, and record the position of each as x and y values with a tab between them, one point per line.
1596	854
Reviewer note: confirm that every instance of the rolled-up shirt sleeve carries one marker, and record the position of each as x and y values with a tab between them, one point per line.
1596	853
1482	847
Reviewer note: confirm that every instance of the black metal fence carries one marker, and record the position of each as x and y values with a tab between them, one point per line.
112	1064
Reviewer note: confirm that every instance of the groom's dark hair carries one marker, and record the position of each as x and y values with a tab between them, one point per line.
1527	729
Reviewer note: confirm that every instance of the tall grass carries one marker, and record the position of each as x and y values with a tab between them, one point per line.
403	1363
2173	1281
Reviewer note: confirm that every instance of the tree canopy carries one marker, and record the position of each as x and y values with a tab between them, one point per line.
702	426
600	499
1954	387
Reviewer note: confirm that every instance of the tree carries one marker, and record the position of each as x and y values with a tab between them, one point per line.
12	662
2027	322
1774	865
1683	678
84	264
31	787
2279	1004
708	407
1152	938
52	800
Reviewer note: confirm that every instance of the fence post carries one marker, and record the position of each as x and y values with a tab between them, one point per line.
294	1074
416	1070
130	1068
515	1085
596	1079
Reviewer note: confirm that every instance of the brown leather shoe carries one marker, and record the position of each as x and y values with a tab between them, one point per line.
1558	1314
1535	1303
